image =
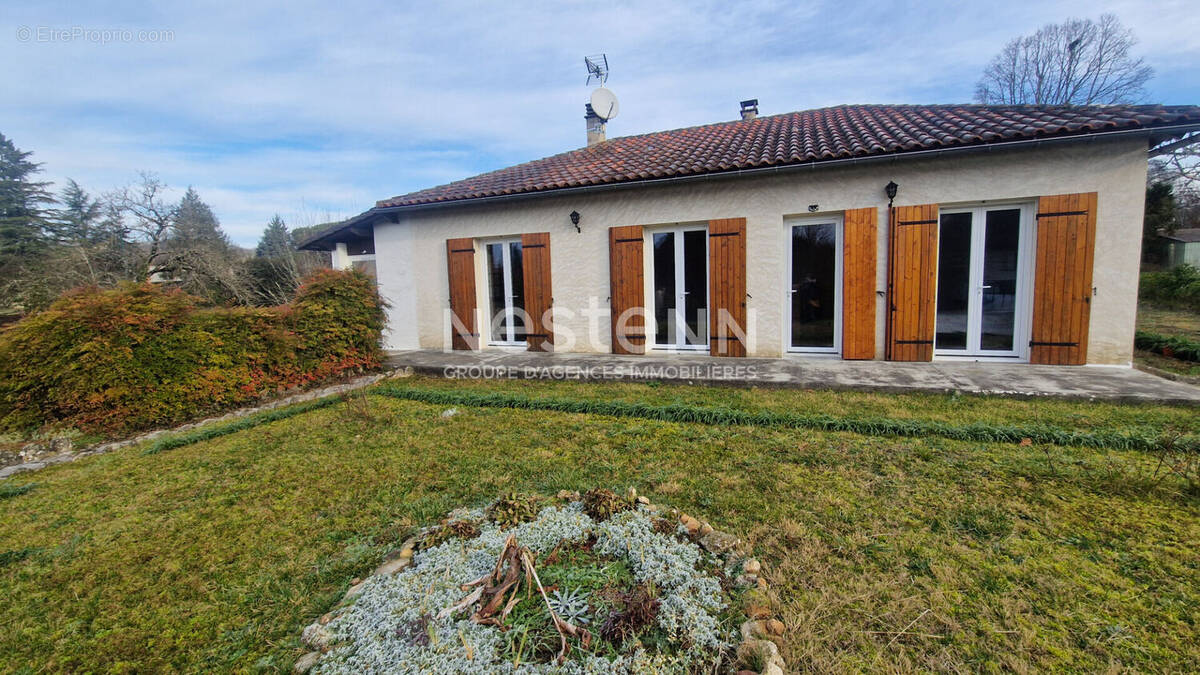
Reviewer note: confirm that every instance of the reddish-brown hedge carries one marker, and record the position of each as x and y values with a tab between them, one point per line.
140	356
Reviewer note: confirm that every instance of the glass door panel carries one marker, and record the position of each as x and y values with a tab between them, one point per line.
814	286
954	281
664	288
1001	250
516	295
695	286
496	292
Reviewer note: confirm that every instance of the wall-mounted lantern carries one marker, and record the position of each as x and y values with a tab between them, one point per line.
575	220
890	191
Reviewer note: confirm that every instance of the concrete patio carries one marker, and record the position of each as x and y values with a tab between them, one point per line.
1004	379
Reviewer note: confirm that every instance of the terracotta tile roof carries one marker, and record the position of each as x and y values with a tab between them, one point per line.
793	138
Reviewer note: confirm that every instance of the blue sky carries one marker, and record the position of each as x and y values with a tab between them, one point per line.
315	110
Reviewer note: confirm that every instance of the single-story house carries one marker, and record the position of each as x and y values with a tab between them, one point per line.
1182	247
902	232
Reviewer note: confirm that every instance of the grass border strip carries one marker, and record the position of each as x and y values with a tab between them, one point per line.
991	433
208	432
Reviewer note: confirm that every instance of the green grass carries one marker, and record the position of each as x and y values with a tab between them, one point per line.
1168	321
883	553
1171	322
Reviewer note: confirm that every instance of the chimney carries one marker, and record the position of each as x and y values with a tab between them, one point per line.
750	109
595	125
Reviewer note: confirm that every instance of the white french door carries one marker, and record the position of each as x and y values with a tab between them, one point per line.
679	260
984	281
814	302
506	293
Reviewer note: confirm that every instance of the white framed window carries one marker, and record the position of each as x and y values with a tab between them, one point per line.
506	293
813	295
984	281
678	285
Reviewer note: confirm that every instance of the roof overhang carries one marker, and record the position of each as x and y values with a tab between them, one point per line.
381	214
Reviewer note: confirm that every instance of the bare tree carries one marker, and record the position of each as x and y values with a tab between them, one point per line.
1077	62
152	219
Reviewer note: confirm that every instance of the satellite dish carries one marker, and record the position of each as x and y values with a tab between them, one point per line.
604	104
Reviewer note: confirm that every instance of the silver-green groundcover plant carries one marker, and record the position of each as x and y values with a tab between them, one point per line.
390	627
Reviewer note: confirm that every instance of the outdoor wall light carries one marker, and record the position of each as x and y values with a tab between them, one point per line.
890	191
812	208
575	220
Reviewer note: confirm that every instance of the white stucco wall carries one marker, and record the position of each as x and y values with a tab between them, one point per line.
411	254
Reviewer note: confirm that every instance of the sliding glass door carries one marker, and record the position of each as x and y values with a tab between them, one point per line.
680	277
815	290
983	281
506	293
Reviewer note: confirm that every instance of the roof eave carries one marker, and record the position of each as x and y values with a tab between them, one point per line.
1155	134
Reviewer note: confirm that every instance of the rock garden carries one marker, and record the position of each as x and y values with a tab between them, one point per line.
578	583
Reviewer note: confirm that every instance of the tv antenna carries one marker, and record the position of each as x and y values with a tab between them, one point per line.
597	67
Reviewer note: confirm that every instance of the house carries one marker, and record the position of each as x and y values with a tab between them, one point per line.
1182	247
902	232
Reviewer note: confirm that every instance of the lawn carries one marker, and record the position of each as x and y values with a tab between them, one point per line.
883	553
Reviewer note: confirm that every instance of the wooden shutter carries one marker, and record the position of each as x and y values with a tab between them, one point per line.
912	282
858	283
727	286
1062	287
461	256
535	262
627	289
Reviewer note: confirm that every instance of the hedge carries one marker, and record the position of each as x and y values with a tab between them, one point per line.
1168	345
1178	287
140	356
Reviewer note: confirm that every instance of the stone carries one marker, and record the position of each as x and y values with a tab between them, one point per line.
753	630
393	566
569	495
751	566
631	494
316	636
705	528
762	584
305	663
449	412
356	581
408	548
746	581
773	669
716	542
643	500
758	612
325	618
354	591
692	525
768	650
774	627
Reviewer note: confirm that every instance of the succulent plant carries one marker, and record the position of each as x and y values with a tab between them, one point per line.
463	529
513	509
600	503
572	606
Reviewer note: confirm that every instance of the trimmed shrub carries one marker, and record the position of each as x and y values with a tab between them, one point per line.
1178	287
1168	345
140	356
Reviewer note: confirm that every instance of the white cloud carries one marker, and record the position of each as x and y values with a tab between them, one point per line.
335	105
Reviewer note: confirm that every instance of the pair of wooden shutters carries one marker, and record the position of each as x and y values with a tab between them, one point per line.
726	294
1062	290
535	258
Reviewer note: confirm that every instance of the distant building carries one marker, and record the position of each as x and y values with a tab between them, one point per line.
1183	247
